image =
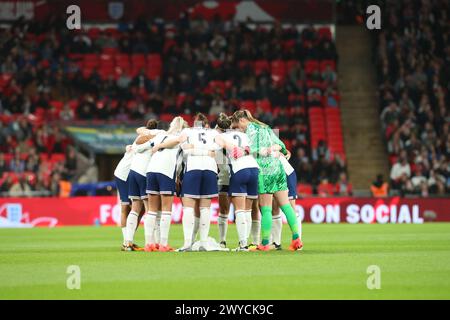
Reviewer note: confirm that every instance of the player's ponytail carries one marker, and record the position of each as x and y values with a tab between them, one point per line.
246	114
224	121
176	125
151	124
201	120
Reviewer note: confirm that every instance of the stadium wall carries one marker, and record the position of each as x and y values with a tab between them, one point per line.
115	11
51	212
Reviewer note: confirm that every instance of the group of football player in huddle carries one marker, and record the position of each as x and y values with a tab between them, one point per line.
241	161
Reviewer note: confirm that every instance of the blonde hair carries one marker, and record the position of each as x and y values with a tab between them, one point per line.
246	114
176	125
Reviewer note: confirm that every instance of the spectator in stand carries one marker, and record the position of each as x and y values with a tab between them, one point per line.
66	113
325	188
321	151
328	75
85	111
32	164
400	173
9	66
437	183
42	185
193	52
343	187
302	166
335	168
5	186
418	183
17	164
21	188
70	165
217	107
54	184
412	62
3	165
379	188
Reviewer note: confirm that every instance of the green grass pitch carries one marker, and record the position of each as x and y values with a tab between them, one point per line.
414	261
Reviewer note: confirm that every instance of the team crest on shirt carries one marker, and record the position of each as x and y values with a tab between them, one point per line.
115	10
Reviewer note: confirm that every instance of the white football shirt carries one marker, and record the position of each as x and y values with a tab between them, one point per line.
201	138
239	139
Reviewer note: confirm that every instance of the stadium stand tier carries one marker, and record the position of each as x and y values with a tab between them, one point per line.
413	67
285	76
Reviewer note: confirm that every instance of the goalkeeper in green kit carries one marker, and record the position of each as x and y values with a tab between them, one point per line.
266	147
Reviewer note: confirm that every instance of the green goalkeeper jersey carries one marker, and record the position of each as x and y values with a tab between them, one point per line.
272	177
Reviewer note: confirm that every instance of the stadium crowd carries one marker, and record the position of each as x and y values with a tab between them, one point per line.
413	65
193	65
34	159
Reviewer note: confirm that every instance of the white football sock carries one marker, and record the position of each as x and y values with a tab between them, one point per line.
241	225
256	231
277	225
166	218
222	222
132	220
157	227
205	220
196	224
149	227
248	218
124	234
188	226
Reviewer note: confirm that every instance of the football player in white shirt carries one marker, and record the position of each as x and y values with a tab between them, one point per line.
223	182
277	222
161	186
137	182
243	188
121	177
199	184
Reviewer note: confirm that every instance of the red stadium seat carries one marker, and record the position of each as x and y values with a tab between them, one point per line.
110	51
216	63
154	59
216	85
180	99
8	157
325	33
93	33
138	62
188	118
57	157
113	32
167	117
90	61
106	60
4	80
261	66
304	190
248	104
288	44
287	144
58	105
265	105
278	70
122	61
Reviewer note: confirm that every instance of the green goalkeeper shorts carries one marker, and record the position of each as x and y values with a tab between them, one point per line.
272	177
